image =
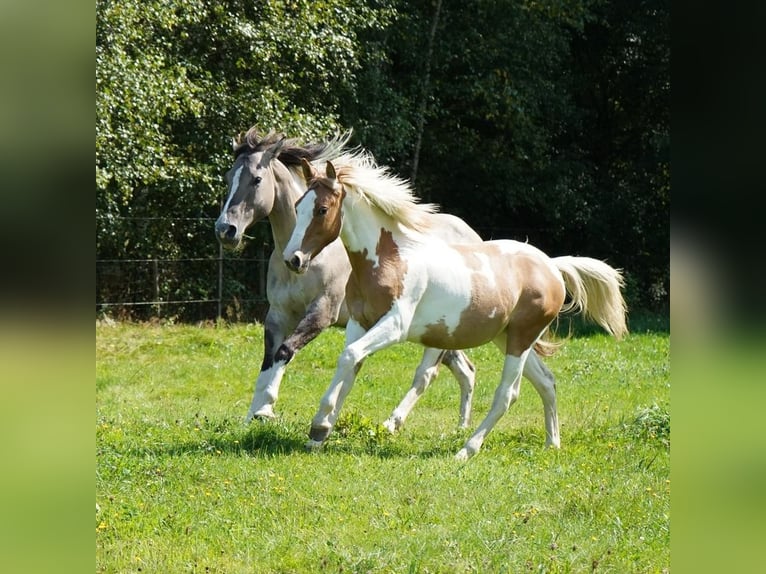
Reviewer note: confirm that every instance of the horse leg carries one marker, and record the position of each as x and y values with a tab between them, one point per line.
506	394
545	385
279	354
465	372
269	378
424	374
359	346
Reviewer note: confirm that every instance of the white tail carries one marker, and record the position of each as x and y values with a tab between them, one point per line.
595	289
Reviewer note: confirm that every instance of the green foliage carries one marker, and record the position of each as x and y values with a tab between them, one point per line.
652	423
182	484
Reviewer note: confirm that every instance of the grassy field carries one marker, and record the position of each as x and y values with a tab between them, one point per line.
182	485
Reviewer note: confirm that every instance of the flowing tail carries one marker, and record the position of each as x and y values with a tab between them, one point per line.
595	290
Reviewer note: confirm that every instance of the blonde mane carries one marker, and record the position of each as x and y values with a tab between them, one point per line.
361	177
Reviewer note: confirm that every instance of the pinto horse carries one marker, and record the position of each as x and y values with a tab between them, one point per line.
406	283
265	181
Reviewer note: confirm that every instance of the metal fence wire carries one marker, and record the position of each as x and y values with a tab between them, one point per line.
204	283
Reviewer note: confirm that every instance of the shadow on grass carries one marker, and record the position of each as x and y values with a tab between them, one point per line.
355	436
260	438
275	438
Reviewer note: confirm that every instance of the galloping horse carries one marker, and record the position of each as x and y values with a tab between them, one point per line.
265	181
408	284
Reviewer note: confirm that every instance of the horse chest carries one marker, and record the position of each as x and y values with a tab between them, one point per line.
373	286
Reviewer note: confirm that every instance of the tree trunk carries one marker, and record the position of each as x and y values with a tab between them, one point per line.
425	92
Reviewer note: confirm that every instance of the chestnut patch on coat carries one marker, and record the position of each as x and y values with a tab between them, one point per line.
324	229
539	303
371	290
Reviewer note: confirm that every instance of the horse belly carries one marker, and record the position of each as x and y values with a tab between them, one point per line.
473	328
454	315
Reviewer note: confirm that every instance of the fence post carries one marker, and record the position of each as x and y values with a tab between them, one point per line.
156	270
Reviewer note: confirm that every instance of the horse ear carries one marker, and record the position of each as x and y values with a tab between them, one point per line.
276	148
330	169
308	170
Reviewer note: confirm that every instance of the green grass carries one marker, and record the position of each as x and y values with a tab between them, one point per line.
182	485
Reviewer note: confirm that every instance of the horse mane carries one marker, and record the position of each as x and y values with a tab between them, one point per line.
329	150
356	168
252	141
292	150
362	177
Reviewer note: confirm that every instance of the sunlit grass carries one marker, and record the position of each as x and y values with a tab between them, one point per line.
182	485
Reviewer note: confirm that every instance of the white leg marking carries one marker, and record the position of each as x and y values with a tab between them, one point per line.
266	392
383	334
424	374
506	394
545	385
465	374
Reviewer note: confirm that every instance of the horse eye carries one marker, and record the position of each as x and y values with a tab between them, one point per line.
322	210
257	180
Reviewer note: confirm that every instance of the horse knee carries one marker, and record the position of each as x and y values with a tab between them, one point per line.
349	359
284	354
512	396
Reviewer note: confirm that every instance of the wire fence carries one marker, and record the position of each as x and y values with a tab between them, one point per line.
206	283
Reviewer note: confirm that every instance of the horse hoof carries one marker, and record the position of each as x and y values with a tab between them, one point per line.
462	455
264	413
313	445
392	425
319	434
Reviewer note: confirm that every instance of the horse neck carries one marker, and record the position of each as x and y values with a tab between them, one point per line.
282	217
362	225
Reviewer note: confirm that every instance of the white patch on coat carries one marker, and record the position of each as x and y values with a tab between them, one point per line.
234	187
304	214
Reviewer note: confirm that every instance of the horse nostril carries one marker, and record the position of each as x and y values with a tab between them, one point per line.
226	231
294	262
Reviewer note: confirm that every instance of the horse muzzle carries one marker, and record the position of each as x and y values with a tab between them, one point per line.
298	262
227	234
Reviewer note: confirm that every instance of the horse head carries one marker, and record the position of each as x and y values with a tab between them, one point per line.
319	217
251	183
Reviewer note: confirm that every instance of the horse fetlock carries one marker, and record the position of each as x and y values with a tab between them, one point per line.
393	424
470	448
260	412
284	354
552	442
262	405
